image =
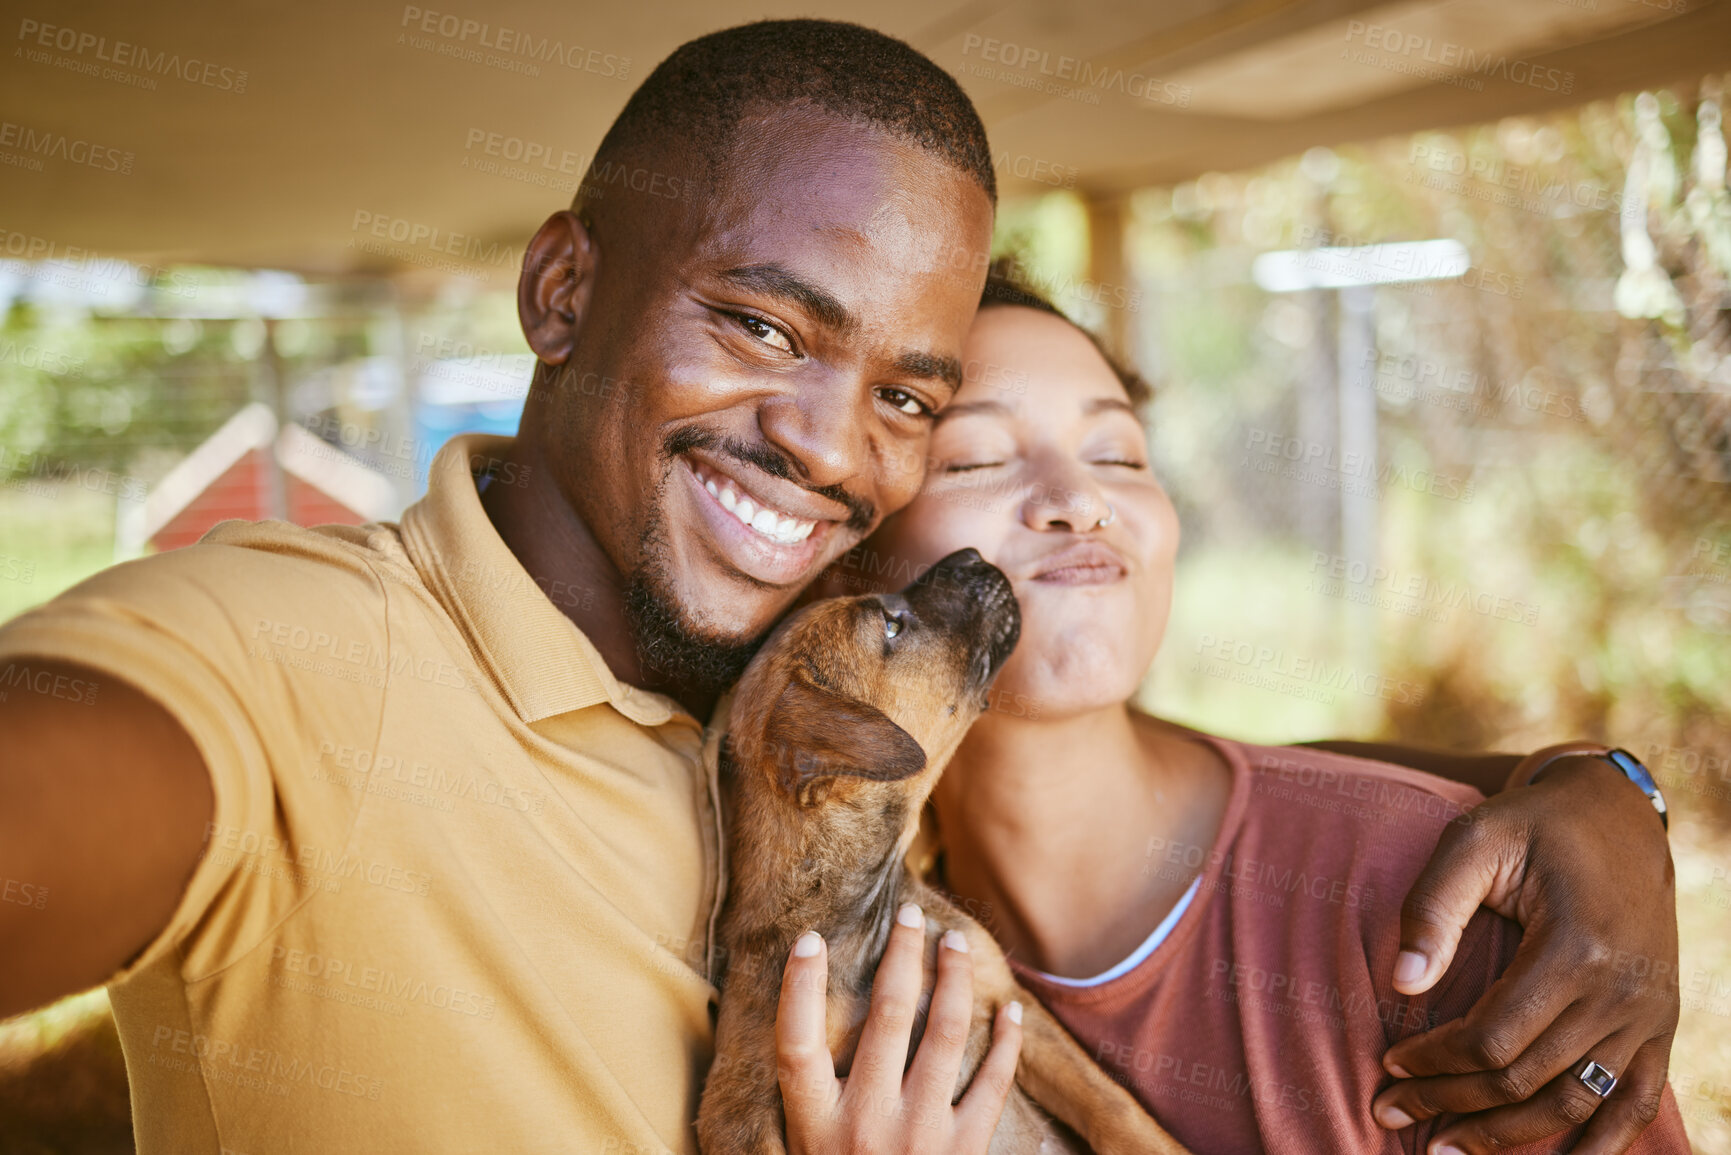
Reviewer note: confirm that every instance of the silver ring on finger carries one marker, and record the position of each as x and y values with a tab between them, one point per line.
1597	1079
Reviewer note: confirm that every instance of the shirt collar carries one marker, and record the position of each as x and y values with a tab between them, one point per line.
541	662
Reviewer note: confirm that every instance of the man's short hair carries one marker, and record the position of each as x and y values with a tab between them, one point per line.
699	94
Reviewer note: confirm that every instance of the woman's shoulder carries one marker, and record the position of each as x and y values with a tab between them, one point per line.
1331	824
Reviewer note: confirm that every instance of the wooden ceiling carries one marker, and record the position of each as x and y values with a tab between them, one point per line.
280	135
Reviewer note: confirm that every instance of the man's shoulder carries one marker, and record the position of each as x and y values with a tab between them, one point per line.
242	580
360	550
249	561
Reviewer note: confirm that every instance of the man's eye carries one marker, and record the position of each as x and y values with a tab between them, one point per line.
904	401
767	333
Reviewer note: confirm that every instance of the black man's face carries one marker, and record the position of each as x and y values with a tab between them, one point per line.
782	353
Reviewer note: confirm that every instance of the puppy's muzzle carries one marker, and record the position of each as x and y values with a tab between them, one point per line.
974	599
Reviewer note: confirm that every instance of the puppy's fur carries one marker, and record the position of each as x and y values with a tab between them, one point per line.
840	728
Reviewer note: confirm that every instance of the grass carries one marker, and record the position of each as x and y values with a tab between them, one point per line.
51	538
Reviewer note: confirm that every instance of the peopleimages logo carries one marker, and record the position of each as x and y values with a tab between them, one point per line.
1297	459
43	143
73	265
88	52
1274	668
509	49
1071	75
1444	60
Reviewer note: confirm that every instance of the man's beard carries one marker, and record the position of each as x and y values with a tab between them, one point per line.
673	650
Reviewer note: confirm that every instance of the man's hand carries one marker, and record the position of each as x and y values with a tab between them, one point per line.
876	1107
1580	860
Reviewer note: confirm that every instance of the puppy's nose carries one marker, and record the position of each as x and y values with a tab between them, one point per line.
959	570
960	561
964	574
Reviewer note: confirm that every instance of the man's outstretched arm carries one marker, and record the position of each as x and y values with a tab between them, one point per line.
1486	773
103	807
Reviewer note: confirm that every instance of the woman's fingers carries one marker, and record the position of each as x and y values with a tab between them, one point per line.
977	1116
874	1108
931	1081
804	1066
882	1054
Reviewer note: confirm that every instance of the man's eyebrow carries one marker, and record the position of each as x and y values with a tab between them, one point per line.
776	281
931	367
1101	404
965	408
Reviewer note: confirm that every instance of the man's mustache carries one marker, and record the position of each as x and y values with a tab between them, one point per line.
862	514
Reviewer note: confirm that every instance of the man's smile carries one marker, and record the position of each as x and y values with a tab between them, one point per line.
781	528
773	531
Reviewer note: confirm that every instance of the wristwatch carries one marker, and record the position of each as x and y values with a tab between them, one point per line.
1626	763
1635	772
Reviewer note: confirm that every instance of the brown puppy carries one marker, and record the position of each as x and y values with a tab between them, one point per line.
839	730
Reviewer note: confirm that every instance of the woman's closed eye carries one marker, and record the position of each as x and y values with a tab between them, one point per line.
968	466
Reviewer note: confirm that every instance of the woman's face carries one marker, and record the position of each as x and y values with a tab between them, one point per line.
1038	445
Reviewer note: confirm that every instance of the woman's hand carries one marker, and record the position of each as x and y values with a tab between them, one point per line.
1580	860
876	1107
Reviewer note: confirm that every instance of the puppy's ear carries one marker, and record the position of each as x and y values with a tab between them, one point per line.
815	736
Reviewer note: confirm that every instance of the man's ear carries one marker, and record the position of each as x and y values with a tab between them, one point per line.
558	270
815	736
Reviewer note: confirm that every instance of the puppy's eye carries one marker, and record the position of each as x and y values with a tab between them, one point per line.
892	624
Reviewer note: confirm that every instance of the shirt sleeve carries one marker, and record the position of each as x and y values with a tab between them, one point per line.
231	642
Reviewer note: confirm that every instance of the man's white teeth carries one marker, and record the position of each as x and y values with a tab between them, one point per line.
778	527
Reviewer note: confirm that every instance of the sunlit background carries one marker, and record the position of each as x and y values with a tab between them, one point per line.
1489	510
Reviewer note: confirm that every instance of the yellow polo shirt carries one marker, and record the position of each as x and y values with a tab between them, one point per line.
459	891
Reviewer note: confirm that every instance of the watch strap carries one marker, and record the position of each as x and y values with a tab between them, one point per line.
1626	763
1637	773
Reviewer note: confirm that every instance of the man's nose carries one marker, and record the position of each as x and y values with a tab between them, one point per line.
823	427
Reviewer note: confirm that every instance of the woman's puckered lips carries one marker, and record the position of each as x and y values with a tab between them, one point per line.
1083	563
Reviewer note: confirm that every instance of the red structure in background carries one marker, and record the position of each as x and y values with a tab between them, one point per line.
251	469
